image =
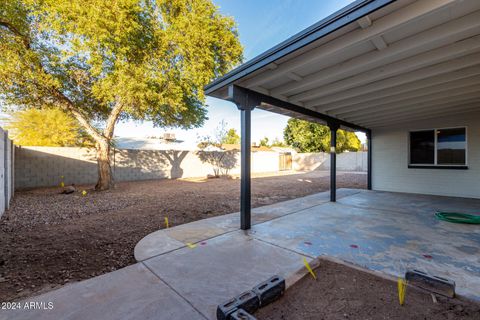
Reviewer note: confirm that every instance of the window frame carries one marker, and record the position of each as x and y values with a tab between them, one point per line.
435	164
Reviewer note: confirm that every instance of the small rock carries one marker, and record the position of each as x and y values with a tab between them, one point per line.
458	308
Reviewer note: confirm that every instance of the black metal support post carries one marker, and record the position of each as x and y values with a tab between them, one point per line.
245	182
369	160
246	102
333	161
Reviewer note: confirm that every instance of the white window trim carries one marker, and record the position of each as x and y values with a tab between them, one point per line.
435	164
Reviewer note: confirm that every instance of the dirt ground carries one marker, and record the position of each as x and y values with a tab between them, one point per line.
48	239
341	292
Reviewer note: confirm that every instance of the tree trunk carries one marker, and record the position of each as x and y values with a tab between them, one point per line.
105	177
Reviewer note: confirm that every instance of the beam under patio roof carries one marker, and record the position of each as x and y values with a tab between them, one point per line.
269	103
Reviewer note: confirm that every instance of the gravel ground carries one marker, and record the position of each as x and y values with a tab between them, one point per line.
48	239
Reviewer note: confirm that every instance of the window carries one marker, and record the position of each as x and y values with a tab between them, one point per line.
422	147
438	148
451	146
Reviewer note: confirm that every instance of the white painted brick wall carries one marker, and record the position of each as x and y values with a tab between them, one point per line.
390	161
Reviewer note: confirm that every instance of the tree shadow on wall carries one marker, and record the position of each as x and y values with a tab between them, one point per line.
148	164
50	166
175	159
221	161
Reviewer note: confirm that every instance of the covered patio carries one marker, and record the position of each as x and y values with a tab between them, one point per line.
386	68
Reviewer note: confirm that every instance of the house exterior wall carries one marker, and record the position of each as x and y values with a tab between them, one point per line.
390	170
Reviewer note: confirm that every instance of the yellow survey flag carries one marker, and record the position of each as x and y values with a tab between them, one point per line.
166	222
402	288
309	268
191	245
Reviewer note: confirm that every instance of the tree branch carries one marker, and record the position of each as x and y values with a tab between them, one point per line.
112	119
78	115
68	104
16	32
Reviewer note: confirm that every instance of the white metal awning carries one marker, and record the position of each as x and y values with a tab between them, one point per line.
404	60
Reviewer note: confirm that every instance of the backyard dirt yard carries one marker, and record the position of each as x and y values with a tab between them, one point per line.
342	292
48	239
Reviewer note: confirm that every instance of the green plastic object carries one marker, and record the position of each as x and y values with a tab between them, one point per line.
456	217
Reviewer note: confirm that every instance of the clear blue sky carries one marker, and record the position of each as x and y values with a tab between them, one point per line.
261	24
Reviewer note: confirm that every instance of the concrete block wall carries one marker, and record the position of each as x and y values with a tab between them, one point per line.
49	166
6	171
346	161
3	190
45	166
10	160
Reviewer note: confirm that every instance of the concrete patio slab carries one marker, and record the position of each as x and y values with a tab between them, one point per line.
384	240
222	268
283	208
408	202
165	240
203	229
154	244
129	293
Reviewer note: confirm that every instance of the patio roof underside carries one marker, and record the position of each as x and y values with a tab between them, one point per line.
408	60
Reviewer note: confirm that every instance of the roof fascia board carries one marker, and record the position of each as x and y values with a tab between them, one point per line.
335	21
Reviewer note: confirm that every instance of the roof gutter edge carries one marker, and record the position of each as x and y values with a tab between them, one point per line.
333	22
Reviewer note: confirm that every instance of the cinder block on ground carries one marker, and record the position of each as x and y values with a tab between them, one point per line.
241	314
442	286
270	290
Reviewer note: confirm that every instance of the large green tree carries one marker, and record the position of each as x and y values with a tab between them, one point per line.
231	137
313	137
102	61
46	127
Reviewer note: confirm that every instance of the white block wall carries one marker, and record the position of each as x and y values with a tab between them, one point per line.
6	171
2	173
44	166
390	160
346	161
